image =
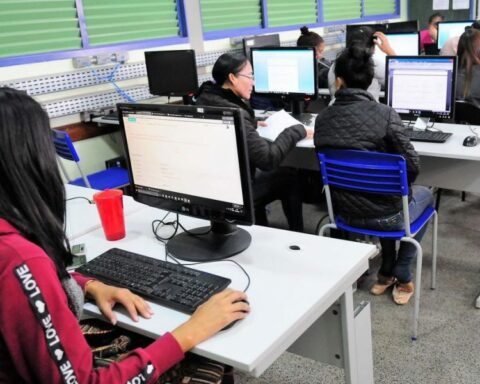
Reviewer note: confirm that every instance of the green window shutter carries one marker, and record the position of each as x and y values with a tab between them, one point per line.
230	14
38	26
334	10
379	7
288	12
120	21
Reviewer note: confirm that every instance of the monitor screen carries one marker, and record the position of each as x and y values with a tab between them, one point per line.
259	41
404	44
448	29
193	161
421	86
171	73
402	26
287	71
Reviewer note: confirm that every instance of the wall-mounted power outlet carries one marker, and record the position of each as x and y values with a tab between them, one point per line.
100	59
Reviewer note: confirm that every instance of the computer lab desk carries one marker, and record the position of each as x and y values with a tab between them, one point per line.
448	165
301	300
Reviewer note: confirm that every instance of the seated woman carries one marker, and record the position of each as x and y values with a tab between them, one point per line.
40	338
468	75
430	35
312	39
233	86
366	38
356	121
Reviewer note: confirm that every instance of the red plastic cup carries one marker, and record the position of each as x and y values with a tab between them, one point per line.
110	208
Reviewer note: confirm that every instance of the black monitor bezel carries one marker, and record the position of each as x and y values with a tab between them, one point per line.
451	22
422	113
375	27
409	25
406	33
290	95
247	218
151	72
259	43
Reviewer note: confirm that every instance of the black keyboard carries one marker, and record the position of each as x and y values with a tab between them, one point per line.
171	285
427	136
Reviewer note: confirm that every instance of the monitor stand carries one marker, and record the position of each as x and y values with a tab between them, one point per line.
216	242
421	123
296	106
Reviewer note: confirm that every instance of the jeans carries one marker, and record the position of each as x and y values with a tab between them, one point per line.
393	264
280	184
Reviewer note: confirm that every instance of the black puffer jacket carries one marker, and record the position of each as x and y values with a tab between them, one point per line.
263	154
357	121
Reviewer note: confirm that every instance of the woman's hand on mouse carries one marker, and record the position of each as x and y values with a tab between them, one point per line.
212	316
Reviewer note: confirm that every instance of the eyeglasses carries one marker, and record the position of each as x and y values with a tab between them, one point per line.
251	77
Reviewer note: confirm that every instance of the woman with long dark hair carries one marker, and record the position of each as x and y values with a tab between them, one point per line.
40	339
468	76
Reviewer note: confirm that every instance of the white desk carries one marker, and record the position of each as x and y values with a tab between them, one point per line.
289	292
82	217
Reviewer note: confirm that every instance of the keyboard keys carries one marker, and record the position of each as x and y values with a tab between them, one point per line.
427	136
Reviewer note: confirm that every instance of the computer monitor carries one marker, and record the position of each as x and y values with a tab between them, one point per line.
421	86
290	72
405	44
375	28
448	29
192	161
172	73
402	26
258	42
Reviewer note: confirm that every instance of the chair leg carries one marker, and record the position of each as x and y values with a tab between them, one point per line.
463	195
437	202
434	251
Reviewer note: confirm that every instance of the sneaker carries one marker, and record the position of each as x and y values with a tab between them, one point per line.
402	293
382	284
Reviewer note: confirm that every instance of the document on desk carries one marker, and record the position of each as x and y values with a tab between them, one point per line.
277	123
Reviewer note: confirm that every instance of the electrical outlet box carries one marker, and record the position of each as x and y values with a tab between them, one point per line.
82	61
100	59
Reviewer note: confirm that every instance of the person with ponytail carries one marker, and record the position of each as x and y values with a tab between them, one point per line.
40	338
312	39
468	75
356	121
367	39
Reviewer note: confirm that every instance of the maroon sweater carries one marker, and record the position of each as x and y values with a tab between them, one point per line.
40	339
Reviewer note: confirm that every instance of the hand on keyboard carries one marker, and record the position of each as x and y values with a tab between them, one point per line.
212	316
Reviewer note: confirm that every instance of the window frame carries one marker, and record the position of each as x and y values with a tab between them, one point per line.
88	50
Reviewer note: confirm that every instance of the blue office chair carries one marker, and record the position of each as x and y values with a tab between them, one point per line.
379	173
114	177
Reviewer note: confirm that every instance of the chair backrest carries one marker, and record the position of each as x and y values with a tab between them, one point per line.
466	113
363	171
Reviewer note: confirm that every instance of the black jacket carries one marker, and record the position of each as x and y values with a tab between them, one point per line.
357	121
263	154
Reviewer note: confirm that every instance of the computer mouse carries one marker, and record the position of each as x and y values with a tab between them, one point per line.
234	321
470	141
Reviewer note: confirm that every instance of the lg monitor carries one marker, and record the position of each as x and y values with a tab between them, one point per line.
421	86
290	72
172	73
402	27
258	42
192	161
448	29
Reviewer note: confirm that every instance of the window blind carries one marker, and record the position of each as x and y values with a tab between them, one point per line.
230	14
288	12
36	26
379	7
118	21
341	10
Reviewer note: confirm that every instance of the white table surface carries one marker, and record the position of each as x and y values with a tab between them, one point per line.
289	289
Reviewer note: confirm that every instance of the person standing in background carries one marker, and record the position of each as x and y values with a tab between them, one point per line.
430	35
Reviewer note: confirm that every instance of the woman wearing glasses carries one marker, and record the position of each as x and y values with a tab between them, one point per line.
232	87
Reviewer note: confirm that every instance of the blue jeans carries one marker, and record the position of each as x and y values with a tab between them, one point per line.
393	264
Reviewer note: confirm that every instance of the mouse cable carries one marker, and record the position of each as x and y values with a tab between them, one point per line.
473	130
80	197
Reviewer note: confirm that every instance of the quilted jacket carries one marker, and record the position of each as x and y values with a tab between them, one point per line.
263	154
356	121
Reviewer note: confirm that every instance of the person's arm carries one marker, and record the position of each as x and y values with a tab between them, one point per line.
268	155
399	143
381	41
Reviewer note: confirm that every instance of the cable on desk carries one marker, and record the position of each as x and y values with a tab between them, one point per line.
81	197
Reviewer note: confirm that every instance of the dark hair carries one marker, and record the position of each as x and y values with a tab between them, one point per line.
355	66
476	24
362	36
226	64
468	55
32	196
309	38
433	16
